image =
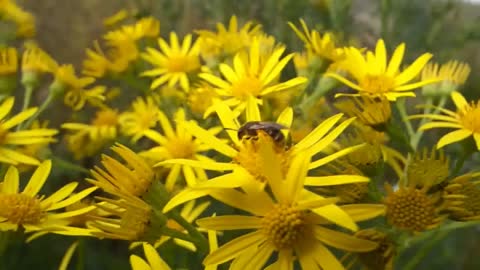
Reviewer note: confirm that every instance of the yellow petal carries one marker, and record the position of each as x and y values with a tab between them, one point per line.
316	134
235	247
19	118
68	256
453	136
440	125
335	214
252	112
260	206
6	107
344	81
325	258
295	178
319	181
459	100
214	166
11	182
396	60
330	137
413	70
381	55
476	137
72	199
208	138
38	179
338	154
154	259
230	222
138	263
185	195
343	241
361	212
59	195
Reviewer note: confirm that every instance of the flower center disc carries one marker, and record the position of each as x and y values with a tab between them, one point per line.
181	148
247	86
20	208
284	225
377	84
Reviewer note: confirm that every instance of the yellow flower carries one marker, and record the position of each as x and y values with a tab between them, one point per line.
142	118
463	193
132	179
285	223
227	41
85	140
102	128
145	27
116	18
369	111
24	21
466	121
255	75
200	98
33	212
154	261
40	150
322	46
178	143
8	61
427	167
97	64
174	63
375	77
249	161
37	60
129	218
9	137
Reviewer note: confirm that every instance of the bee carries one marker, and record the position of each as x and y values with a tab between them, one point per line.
273	129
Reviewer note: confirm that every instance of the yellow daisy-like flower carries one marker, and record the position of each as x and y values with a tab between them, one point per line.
116	18
132	179
145	27
85	140
451	75
142	118
116	60
8	61
24	21
249	162
37	60
129	218
153	262
466	121
255	75
463	193
227	41
287	223
201	98
29	210
174	63
322	46
102	128
9	137
178	143
375	77
369	111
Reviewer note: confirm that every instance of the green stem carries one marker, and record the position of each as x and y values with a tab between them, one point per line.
177	234
425	250
43	107
197	237
403	115
26	102
81	255
415	140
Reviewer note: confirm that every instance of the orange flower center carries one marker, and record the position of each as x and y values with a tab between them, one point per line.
469	117
247	86
106	118
377	84
20	208
284	225
181	148
182	63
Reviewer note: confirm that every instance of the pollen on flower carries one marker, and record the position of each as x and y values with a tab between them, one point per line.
377	84
106	118
182	63
181	148
410	209
284	225
250	158
247	86
20	208
469	117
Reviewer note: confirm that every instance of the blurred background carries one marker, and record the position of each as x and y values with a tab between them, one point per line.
448	29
